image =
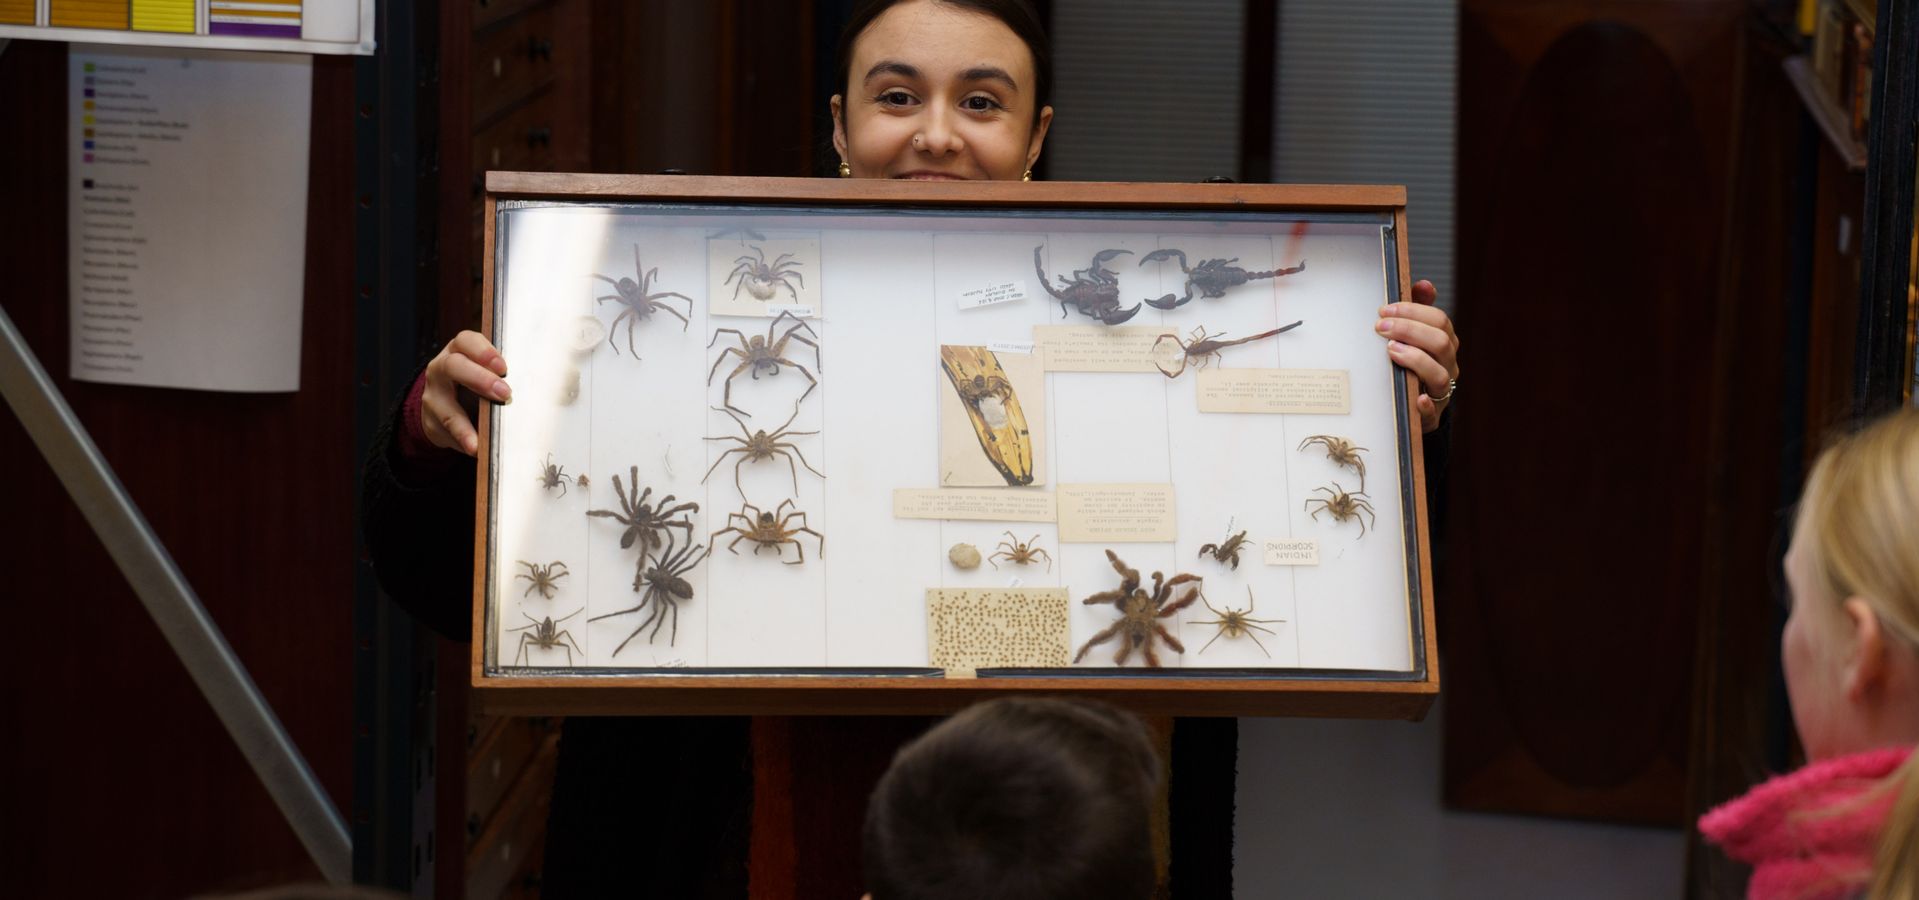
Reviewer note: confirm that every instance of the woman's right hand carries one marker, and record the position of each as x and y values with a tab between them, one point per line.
468	361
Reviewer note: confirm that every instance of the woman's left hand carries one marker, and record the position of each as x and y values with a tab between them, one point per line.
1419	336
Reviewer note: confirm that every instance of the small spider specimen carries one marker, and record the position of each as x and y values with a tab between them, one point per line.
664	588
1212	277
546	635
1140	613
582	482
1342	452
552	476
1021	553
761	279
1094	290
639	304
1234	623
1200	348
1343	506
646	523
759	445
545	579
769	529
1227	551
764	354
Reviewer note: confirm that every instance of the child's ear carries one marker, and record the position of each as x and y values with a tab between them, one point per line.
1865	665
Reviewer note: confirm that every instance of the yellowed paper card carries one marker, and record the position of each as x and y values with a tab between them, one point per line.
983	504
996	628
992	409
1116	513
1098	348
1292	552
752	277
1323	391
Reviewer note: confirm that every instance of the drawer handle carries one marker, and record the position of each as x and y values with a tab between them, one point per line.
539	48
539	137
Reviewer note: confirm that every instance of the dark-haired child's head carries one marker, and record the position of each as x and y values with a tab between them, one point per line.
1017	799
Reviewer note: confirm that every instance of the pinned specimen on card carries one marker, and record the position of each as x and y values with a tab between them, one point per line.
545	579
759	445
1093	291
639	305
645	522
1021	552
553	476
764	355
1342	452
1199	348
1212	277
662	584
992	408
763	279
1226	551
1237	623
546	634
1140	612
769	529
1342	506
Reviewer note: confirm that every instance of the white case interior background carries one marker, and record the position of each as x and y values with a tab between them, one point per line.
885	288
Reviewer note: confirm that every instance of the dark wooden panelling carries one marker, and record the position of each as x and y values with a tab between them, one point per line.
112	746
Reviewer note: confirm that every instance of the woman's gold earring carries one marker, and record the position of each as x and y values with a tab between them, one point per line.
846	171
1028	176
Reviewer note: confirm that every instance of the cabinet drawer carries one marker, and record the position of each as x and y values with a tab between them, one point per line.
521	141
512	62
515	833
503	753
487	12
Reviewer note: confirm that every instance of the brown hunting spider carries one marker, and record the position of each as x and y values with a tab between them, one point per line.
1342	452
1021	553
1094	290
761	278
1234	623
639	304
1343	506
546	635
1200	348
1227	551
764	353
552	476
759	445
1212	277
664	589
1140	613
546	579
769	529
645	522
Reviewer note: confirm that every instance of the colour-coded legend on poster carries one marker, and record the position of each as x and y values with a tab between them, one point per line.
300	26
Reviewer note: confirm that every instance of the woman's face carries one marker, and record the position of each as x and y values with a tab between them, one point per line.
939	92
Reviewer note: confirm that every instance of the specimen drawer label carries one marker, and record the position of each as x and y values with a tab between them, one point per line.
1321	391
1116	513
981	504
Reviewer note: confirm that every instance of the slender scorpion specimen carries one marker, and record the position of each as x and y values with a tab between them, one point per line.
1199	348
1212	277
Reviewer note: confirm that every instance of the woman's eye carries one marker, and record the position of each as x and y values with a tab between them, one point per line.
979	103
896	98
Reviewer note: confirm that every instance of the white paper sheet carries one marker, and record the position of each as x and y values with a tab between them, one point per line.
187	216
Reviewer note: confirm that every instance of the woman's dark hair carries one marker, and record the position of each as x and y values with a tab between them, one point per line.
1015	14
1017	799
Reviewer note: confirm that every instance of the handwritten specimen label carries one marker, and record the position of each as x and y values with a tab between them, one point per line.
1292	552
1099	348
1116	513
1018	347
972	629
1325	391
773	310
981	504
1004	292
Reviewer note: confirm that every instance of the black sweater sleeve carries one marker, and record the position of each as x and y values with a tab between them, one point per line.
420	535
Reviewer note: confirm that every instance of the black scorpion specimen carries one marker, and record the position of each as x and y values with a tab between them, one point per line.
1212	277
1094	290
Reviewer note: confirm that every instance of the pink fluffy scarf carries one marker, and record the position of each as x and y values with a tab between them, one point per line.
1806	834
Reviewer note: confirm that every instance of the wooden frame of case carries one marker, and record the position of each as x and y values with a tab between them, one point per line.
1330	693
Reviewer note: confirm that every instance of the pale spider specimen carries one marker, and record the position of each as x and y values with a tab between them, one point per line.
665	587
1342	452
1343	506
552	476
1140	613
764	353
1021	553
644	522
1234	623
769	529
639	304
759	445
546	635
761	279
545	579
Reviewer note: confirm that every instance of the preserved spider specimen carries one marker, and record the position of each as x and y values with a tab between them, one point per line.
1227	551
1343	506
764	353
580	481
769	529
993	410
545	579
1342	452
1200	348
664	589
552	476
1094	290
761	278
1234	623
1140	613
759	445
639	304
1212	277
646	523
1021	553
546	635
